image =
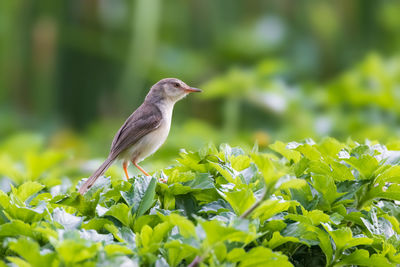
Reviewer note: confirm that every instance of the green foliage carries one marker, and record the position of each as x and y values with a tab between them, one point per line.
299	204
361	101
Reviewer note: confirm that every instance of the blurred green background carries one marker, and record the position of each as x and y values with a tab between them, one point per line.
72	71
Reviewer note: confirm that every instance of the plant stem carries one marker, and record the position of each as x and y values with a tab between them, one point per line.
196	261
255	205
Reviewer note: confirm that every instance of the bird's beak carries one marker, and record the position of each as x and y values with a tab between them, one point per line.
192	90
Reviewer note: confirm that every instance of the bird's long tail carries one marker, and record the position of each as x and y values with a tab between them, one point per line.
92	179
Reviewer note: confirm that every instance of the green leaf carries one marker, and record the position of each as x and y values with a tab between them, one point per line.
115	249
85	205
336	218
26	214
202	181
102	183
330	146
185	226
241	198
26	190
335	170
272	171
390	175
260	256
30	251
74	251
365	165
274	225
314	217
226	171
311	236
191	161
240	162
208	149
150	220
389	191
123	235
358	257
144	238
385	225
19	262
177	176
270	207
95	224
16	228
178	189
291	183
291	155
344	239
141	196
121	212
149	240
236	255
361	257
304	232
300	167
217	232
160	231
68	221
43	197
215	207
393	221
177	252
148	198
4	200
310	152
340	172
304	196
324	243
278	240
325	185
220	252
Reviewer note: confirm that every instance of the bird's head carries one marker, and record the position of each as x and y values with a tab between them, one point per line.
170	89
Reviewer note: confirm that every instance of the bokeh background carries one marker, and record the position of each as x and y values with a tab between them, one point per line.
72	71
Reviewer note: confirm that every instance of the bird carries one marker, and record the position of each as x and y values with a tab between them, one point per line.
145	130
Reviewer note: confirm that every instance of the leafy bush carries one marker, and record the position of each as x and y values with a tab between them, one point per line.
301	204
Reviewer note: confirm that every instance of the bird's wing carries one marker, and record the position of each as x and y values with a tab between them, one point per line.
144	120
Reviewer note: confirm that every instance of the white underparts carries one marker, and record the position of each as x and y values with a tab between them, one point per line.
151	142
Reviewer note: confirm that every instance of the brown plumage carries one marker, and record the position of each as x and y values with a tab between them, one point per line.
146	129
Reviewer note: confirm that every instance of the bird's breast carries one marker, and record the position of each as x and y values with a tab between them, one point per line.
151	142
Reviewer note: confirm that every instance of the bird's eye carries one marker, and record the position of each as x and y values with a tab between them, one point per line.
176	84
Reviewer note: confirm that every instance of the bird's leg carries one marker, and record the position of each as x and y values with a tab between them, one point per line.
140	168
125	167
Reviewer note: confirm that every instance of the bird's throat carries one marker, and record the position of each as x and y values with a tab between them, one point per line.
166	107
